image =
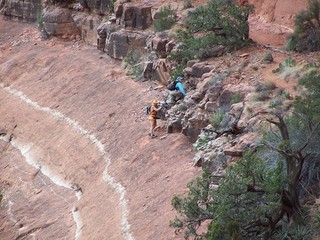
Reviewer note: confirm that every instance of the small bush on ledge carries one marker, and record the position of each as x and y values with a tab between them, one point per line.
165	19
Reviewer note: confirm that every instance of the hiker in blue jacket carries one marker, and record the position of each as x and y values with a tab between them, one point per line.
176	91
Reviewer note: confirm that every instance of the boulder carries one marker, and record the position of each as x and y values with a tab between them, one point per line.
192	123
97	6
148	73
191	63
27	9
211	155
197	69
174	119
225	99
208	68
156	70
170	46
210	84
174	126
214	92
104	30
136	16
207	75
159	46
215	51
197	96
118	10
242	143
87	25
188	71
119	43
268	58
58	22
211	106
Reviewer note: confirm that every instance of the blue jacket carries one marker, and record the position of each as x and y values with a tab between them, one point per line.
180	88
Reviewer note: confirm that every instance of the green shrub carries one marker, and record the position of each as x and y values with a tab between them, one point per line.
275	102
289	62
217	118
218	23
287	95
40	20
111	5
268	57
133	64
178	71
301	232
295	233
306	36
236	98
201	143
166	19
310	105
136	71
231	208
317	219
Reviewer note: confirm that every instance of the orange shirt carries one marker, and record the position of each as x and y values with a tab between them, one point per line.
153	111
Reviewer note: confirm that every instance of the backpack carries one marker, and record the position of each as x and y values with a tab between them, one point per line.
172	86
148	108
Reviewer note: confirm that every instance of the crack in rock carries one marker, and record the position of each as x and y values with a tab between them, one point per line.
32	230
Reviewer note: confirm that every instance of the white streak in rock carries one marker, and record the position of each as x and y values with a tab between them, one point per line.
78	221
106	176
26	152
10	214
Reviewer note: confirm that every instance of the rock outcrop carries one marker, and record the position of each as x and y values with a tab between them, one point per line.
134	15
29	9
97	6
117	42
281	12
59	22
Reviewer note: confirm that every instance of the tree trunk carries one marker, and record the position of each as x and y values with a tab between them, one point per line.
294	164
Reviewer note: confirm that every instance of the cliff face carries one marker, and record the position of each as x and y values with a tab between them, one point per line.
88	14
29	9
279	11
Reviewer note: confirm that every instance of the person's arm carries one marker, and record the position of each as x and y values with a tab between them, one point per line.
157	109
180	87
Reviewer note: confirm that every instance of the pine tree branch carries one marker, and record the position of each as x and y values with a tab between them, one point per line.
300	149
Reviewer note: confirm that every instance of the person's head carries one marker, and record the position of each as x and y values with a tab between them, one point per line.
155	102
178	79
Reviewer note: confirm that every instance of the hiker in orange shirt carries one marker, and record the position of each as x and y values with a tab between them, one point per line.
153	117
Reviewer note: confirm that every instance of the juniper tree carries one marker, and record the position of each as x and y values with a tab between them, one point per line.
218	23
306	36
